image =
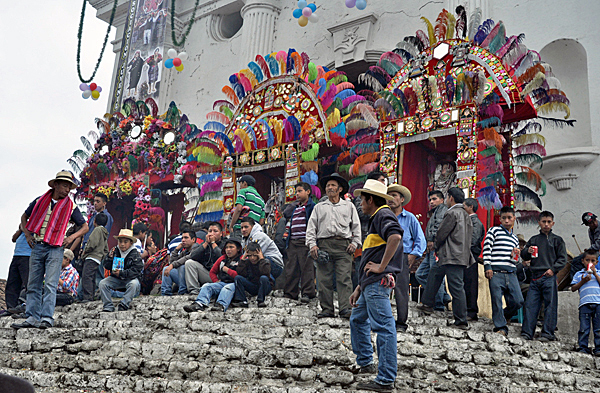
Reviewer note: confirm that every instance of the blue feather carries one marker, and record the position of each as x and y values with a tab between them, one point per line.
296	126
208	177
226	141
290	61
191	157
340	129
214	126
255	68
449	88
326	69
250	131
402	98
195	131
270	136
237	86
322	87
273	65
489	122
483	31
310	177
345	94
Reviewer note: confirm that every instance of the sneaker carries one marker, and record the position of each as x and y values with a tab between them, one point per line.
425	309
368	369
401	329
324	314
122	307
17	310
21	315
525	336
217	307
195	306
22	325
4	313
451	323
262	304
44	325
375	387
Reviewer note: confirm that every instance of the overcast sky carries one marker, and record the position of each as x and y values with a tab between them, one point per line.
41	107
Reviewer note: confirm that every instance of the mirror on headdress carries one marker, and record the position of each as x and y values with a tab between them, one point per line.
135	133
169	138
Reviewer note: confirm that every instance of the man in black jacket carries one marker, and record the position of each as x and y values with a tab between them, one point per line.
202	259
548	255
472	273
125	265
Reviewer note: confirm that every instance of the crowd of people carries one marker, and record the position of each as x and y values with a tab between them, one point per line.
362	246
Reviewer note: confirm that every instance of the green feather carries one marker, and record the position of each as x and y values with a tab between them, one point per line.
226	111
337	103
312	72
359	179
344	168
393	100
528	159
489	151
389	67
336	80
312	153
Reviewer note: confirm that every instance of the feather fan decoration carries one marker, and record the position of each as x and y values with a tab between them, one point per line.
527	217
483	31
219	103
344	93
344	86
389	67
338	141
526	206
451	26
340	129
491	151
86	143
245	82
333	119
322	87
441	26
553	83
530	73
297	129
244	138
423	38
530	127
211	186
529	138
525	194
392	100
499	39
298	63
250	76
305	62
380	74
312	72
257	71
494	110
273	64
552	98
352	99
237	86
408	47
368	114
532	148
214	126
555	107
277	129
516	54
264	67
74	165
228	91
364	160
310	177
560	123
488	165
357	124
529	177
430	31
413	41
312	153
308	126
529	160
495	179
488	198
386	108
218	117
461	22
489	122
536	82
370	81
364	149
498	28
282	59
328	97
226	111
492	138
507	46
411	98
474	22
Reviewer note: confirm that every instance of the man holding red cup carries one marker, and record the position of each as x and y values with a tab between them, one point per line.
547	254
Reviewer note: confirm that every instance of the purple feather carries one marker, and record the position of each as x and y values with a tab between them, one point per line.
329	96
531	148
351	99
449	82
211	186
485	29
290	61
494	110
552	98
239	145
288	131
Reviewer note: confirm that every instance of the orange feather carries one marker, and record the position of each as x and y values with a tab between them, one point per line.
231	95
531	73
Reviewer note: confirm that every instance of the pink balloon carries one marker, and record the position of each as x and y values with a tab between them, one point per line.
307	12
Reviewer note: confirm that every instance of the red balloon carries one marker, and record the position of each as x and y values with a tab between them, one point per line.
177	62
93	86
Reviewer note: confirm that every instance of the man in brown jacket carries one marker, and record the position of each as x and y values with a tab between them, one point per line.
453	248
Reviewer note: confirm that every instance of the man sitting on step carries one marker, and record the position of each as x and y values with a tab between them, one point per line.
254	277
174	272
202	259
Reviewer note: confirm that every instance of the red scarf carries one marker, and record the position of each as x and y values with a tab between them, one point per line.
58	222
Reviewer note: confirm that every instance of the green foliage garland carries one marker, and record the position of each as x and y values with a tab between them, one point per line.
188	28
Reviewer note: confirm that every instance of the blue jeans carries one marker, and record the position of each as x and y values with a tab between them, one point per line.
222	291
176	276
276	270
507	285
243	285
110	283
441	297
544	290
373	312
45	261
589	315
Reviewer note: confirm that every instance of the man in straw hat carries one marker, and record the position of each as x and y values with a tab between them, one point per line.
334	227
453	248
414	245
125	265
381	261
44	224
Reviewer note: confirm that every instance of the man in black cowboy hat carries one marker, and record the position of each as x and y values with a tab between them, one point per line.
334	227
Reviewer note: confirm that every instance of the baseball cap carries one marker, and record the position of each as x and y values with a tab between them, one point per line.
248	179
587	217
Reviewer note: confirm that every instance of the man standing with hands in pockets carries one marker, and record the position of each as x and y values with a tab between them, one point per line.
382	259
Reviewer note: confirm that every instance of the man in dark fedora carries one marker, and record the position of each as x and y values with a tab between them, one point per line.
44	224
414	245
334	227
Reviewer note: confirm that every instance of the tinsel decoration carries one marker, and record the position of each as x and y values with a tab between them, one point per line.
210	206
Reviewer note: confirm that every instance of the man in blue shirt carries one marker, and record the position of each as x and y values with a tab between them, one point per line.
414	246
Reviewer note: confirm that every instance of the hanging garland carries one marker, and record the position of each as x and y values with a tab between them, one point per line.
188	28
79	33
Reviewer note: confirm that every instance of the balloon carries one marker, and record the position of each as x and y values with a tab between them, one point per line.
361	4
302	3
183	56
176	62
93	86
95	98
314	18
312	6
86	94
179	68
99	89
84	87
169	63
350	3
306	12
172	53
297	13
95	94
303	21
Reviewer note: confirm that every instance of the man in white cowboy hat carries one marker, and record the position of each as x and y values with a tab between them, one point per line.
125	265
334	227
381	261
44	225
414	245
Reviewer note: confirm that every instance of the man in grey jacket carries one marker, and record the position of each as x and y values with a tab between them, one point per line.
472	273
437	209
453	246
252	232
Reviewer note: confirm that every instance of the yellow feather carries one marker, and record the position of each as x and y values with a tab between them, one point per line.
530	138
250	75
212	205
277	128
555	107
451	25
333	119
430	31
245	139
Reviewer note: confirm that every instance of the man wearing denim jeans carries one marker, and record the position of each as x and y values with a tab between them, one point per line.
252	232
174	272
44	224
547	258
437	209
500	255
382	259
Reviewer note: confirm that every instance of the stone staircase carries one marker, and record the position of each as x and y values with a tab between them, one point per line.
157	347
